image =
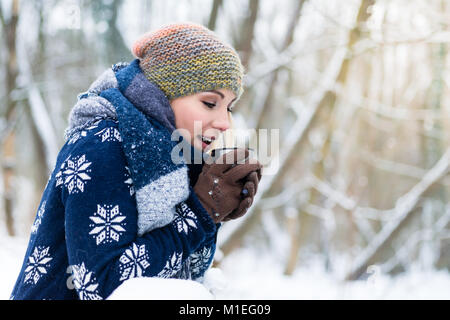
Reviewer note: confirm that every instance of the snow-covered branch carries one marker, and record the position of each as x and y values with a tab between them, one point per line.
403	208
438	231
43	124
334	195
285	196
39	112
349	204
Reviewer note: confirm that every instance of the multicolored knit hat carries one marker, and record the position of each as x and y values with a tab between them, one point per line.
186	58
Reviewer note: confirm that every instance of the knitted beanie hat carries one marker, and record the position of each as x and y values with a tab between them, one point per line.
186	58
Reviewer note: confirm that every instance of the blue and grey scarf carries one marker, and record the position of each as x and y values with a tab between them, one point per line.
146	123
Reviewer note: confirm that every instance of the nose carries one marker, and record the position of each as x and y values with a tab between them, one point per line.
221	122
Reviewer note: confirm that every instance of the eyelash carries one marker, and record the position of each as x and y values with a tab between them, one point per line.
209	105
212	105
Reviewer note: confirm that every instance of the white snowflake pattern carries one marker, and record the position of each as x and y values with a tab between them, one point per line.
109	134
59	175
173	265
133	262
74	174
108	224
39	216
128	181
200	260
76	136
94	124
38	264
185	219
85	283
83	132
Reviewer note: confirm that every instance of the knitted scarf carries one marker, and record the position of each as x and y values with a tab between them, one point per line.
145	122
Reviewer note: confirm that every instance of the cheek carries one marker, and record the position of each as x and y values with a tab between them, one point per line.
187	120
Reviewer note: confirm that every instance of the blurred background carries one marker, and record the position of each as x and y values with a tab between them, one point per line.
359	90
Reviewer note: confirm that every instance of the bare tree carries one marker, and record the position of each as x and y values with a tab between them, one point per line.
244	46
114	46
214	14
267	110
404	209
9	25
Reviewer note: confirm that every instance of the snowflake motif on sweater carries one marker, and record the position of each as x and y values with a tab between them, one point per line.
109	134
108	224
85	283
74	174
83	133
39	216
128	181
78	135
185	219
38	264
133	262
199	260
173	265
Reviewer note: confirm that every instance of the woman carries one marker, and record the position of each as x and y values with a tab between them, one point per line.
117	206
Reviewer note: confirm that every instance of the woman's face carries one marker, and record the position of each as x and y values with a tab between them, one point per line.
208	110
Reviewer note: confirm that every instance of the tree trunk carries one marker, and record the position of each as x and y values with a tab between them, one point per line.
114	47
8	152
8	156
293	225
214	13
266	113
244	47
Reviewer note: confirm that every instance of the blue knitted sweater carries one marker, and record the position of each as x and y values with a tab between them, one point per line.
87	237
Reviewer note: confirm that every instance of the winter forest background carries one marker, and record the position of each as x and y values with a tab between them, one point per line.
359	89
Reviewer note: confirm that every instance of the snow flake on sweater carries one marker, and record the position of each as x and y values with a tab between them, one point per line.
128	181
108	223
39	216
109	134
85	283
74	174
186	219
200	260
133	262
38	264
81	133
173	265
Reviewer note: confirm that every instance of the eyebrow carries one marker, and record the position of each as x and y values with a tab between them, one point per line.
219	93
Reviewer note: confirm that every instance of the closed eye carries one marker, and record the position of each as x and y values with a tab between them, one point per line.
212	105
209	105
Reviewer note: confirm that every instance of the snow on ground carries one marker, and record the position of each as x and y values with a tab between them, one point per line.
248	275
167	289
12	252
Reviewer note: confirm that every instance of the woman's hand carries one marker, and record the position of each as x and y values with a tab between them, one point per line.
247	195
220	185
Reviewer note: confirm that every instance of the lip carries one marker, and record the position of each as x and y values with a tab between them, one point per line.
205	145
211	138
